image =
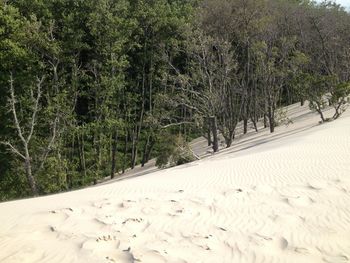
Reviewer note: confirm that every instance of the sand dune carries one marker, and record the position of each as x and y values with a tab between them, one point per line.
270	198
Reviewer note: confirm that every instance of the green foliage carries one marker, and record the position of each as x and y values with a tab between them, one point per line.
122	79
282	117
325	91
173	150
340	98
318	90
13	183
53	177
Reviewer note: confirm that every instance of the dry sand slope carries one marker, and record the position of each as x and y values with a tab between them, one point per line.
287	200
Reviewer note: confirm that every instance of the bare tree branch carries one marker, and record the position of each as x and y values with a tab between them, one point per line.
13	109
36	108
176	124
13	149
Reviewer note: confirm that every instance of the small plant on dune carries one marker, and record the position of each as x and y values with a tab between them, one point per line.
326	91
173	150
339	99
318	93
282	117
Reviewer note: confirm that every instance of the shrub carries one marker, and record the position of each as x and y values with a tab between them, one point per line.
339	99
325	91
318	93
173	150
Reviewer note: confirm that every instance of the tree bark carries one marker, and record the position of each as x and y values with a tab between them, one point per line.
265	121
271	113
214	127
254	121
134	148
82	155
245	125
230	139
271	117
114	153
209	131
29	175
320	112
125	150
245	116
147	150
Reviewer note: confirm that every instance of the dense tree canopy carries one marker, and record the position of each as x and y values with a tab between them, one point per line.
91	88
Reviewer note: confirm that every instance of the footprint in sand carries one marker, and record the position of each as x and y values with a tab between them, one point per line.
124	205
297	200
203	242
135	225
176	212
101	243
317	185
270	243
108	247
101	204
280	243
329	258
66	211
301	250
121	257
105	220
341	186
332	257
57	216
290	219
232	192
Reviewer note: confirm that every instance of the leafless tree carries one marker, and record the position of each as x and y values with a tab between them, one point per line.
25	135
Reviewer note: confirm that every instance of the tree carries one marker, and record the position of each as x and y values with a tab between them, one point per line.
25	137
92	88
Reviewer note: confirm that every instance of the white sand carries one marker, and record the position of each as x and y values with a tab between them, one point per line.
273	198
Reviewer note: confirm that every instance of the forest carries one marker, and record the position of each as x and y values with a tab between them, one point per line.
92	88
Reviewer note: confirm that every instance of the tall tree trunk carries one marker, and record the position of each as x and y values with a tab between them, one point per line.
138	127
97	146
149	149
125	150
209	131
245	125
245	115
271	116
254	121
320	112
114	153
134	147
230	139
214	127
265	113
29	175
272	124
82	155
248	86
145	149
265	120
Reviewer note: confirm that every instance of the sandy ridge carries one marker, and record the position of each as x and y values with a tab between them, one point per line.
284	200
